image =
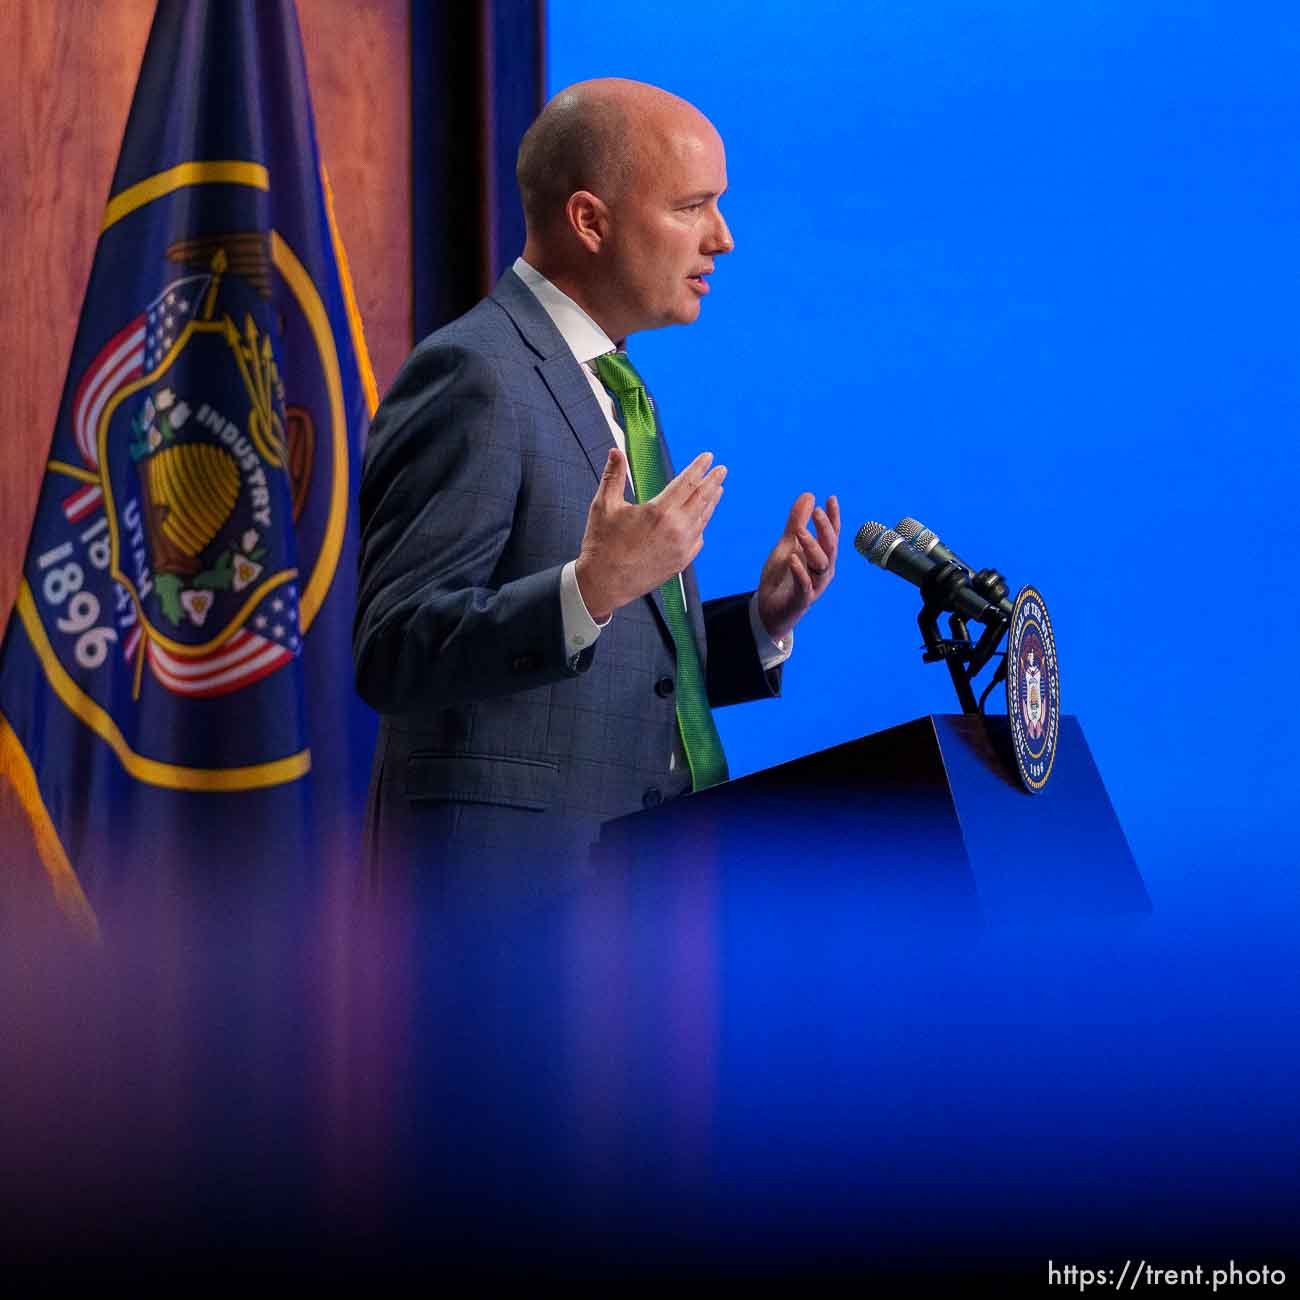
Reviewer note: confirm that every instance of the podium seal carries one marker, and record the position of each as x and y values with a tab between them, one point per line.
1033	689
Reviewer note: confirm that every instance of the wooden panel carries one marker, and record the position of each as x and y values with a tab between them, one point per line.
358	64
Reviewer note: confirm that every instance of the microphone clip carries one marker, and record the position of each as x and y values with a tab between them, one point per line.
963	657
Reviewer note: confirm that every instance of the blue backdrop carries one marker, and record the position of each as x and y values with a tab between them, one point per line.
1026	272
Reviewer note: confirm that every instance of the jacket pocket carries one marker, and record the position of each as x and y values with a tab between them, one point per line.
501	779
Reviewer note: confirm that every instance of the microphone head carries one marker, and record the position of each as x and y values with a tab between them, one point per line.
917	534
883	546
866	538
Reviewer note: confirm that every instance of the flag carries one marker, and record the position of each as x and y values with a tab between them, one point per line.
175	678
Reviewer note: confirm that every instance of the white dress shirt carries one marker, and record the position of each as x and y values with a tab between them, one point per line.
587	341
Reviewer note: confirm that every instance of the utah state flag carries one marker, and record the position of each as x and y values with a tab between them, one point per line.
175	681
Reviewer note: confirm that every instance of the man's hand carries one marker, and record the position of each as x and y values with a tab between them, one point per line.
630	550
800	567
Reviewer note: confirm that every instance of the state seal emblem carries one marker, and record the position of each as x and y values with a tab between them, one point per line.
188	519
1033	689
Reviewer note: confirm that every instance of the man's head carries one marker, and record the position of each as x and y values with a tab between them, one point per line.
620	184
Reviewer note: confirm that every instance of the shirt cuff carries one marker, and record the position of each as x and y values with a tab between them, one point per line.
771	653
580	629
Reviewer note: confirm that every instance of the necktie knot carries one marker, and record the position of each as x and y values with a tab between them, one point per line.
618	374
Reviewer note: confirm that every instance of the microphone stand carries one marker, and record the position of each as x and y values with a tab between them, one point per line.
964	657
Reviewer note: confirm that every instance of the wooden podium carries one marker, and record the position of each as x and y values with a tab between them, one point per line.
923	820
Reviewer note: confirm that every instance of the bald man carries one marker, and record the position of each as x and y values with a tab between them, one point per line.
528	622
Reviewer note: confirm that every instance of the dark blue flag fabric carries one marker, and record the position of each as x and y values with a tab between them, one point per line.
175	680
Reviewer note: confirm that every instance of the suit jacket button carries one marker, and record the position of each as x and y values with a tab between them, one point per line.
652	797
664	687
526	663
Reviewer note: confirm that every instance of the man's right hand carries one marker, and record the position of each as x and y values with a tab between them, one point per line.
629	550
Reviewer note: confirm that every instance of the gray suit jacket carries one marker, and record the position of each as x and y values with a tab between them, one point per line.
479	470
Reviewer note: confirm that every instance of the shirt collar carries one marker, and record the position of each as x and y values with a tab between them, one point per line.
585	338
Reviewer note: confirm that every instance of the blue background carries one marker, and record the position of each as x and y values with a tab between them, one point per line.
1026	272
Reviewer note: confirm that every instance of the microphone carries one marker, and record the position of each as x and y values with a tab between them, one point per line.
927	542
988	582
884	547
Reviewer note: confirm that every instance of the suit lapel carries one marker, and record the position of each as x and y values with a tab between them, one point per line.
560	372
563	376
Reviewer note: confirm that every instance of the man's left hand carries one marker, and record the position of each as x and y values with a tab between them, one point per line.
800	567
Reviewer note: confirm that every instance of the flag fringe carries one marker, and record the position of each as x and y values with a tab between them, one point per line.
68	894
350	300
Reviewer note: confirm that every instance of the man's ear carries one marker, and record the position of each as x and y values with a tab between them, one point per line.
588	218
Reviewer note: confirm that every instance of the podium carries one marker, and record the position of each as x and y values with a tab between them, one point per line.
926	820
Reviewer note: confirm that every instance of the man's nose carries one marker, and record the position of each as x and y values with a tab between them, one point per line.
722	240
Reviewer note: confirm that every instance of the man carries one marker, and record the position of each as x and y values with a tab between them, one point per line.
522	627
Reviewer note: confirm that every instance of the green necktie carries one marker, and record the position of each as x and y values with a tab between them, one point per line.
700	738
